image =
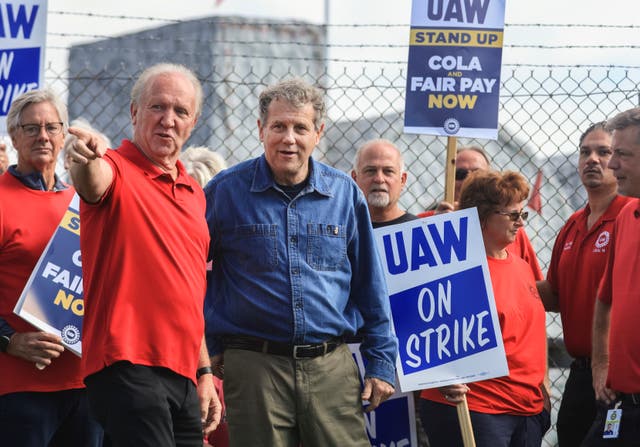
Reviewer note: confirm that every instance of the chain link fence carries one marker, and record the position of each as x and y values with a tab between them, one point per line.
543	110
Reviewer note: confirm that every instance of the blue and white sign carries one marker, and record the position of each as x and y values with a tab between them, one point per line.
23	32
442	304
393	423
453	74
52	299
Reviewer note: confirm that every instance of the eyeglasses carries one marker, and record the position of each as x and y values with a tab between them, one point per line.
515	215
462	173
32	130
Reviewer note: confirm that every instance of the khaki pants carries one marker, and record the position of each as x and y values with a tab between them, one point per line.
276	401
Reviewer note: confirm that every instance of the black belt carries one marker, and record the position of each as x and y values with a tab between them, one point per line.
581	363
630	398
283	349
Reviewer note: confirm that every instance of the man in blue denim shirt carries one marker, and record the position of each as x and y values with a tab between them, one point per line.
295	269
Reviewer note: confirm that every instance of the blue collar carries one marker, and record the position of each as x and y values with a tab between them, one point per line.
35	180
263	178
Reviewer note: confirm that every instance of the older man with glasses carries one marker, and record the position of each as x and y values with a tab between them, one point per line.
42	396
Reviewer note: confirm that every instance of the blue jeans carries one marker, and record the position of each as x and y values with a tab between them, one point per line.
58	418
440	422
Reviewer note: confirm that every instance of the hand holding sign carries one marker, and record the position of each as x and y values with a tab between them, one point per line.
39	348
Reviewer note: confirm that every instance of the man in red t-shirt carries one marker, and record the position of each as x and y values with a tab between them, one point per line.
579	256
616	339
144	244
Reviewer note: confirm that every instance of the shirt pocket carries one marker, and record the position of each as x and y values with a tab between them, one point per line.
256	245
327	247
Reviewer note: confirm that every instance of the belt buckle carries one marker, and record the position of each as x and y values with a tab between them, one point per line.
295	351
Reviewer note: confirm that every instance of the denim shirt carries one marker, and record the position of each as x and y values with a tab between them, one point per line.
299	270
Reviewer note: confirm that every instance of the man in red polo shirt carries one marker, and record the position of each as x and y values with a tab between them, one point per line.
144	244
616	339
579	256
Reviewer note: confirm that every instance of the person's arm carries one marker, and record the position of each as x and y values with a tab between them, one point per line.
5	328
90	173
210	406
600	352
548	296
369	291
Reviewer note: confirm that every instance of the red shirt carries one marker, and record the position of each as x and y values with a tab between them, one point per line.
521	247
619	288
522	322
28	219
577	263
144	248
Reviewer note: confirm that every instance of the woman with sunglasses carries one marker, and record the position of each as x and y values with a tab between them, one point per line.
509	411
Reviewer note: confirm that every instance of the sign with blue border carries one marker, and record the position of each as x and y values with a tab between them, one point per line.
52	299
23	32
442	305
453	73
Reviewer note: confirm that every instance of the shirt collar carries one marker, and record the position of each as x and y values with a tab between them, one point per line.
35	180
134	154
263	178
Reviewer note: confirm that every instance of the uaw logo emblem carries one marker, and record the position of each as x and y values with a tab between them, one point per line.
70	334
603	240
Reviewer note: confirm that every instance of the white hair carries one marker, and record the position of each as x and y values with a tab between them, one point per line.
201	163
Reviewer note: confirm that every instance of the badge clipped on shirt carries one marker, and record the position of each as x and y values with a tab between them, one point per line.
612	423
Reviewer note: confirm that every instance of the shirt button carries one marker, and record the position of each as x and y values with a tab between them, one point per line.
295	271
294	239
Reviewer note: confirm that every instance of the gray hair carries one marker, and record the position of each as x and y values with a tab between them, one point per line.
296	92
14	116
368	144
625	119
148	74
201	163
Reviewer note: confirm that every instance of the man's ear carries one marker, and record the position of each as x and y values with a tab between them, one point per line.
133	110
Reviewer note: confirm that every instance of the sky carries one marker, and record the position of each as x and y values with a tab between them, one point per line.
80	28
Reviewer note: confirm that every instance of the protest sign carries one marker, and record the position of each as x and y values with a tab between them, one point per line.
453	73
442	304
393	423
23	32
52	299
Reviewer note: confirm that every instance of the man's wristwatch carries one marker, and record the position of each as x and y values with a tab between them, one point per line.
4	343
204	370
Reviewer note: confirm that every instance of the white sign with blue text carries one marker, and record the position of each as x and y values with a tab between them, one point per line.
23	32
442	304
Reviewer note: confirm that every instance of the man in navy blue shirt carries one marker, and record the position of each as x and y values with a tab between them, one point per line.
295	270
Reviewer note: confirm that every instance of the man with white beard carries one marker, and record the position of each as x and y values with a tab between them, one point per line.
378	169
